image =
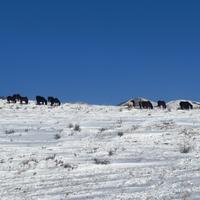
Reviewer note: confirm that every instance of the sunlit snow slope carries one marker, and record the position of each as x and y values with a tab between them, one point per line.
79	152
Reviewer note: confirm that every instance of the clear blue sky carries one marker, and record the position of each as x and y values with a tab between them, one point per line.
100	51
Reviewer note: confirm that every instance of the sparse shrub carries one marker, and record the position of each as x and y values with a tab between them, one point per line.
102	129
35	173
51	157
68	166
120	134
60	130
101	161
111	153
185	149
26	130
11	131
121	109
77	127
134	127
57	136
59	162
26	162
119	123
70	125
64	165
2	161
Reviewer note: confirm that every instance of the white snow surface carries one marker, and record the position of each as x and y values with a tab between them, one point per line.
116	153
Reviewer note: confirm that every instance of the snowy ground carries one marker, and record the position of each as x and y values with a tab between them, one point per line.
113	154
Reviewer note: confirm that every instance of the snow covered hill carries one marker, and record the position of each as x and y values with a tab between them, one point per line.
170	105
79	152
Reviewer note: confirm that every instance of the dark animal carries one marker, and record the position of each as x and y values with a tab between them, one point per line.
133	102
145	105
51	100
185	105
162	104
23	100
54	101
11	99
17	97
41	100
57	102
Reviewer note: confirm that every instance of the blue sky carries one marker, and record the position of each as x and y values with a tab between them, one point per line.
100	51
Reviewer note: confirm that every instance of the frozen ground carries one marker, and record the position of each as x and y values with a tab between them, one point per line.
79	152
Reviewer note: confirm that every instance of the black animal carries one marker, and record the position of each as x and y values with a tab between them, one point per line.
145	105
185	105
57	102
17	97
51	100
133	102
162	104
41	100
11	99
23	100
54	101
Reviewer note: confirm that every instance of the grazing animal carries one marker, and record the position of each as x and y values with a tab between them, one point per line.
57	102
11	99
51	100
41	100
17	97
23	100
131	104
162	104
54	101
145	105
185	105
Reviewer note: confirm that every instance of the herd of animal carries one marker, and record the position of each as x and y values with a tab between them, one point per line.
39	100
184	105
142	104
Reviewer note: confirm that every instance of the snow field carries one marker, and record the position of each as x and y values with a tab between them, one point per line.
80	152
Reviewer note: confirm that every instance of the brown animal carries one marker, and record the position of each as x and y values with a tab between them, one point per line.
145	105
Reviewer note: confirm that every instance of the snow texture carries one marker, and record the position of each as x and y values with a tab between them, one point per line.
79	152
